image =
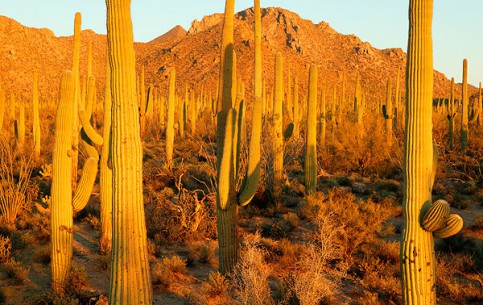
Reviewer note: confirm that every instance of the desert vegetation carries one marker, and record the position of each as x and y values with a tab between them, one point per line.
256	186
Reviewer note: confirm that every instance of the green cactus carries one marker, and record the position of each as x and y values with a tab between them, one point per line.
170	118
130	281
417	245
105	176
451	115
63	204
464	106
388	111
452	225
228	122
35	116
310	167
20	127
435	216
77	96
323	119
277	180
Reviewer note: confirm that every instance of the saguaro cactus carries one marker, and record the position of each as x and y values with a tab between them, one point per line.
170	118
130	281
388	111
228	199
105	179
451	115
464	107
63	204
311	137
417	245
277	179
77	94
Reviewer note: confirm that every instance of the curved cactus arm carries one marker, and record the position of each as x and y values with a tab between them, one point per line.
91	96
250	182
88	129
87	143
452	225
84	188
226	160
435	216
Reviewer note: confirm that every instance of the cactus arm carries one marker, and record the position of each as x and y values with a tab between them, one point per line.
85	186
226	160
252	177
88	129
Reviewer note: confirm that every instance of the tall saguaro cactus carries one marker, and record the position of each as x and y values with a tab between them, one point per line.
229	122
130	281
170	118
77	94
417	245
277	179
311	137
451	115
464	107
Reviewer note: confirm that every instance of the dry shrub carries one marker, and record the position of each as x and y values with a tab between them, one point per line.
15	191
5	248
76	280
250	277
352	221
201	252
217	285
15	271
316	279
166	272
43	254
454	283
187	216
380	278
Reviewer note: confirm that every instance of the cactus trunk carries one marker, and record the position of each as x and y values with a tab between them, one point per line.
417	245
36	119
311	137
277	179
464	107
170	118
130	281
61	193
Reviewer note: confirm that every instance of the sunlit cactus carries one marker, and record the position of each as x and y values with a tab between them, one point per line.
311	137
451	115
388	111
464	107
277	180
417	245
105	179
170	118
130	280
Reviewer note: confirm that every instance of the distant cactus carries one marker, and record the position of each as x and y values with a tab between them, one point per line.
464	107
277	179
130	280
20	127
388	111
310	167
170	118
451	115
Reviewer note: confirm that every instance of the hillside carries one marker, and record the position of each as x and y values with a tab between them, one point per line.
195	55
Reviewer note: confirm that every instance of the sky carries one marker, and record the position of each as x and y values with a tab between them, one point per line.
457	25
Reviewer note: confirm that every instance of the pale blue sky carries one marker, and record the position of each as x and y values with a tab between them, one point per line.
457	25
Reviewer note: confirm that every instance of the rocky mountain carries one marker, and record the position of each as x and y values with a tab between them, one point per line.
196	55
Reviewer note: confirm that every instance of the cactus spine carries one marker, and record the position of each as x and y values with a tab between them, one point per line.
170	118
130	281
464	110
277	179
417	250
311	137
